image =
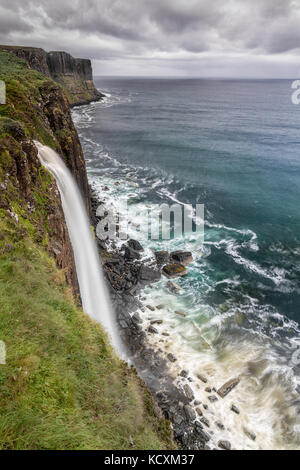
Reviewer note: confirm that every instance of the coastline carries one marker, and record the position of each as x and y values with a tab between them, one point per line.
169	385
247	415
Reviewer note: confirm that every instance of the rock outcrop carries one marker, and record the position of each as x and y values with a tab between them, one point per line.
74	75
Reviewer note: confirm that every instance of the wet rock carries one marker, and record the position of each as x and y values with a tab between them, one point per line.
202	378
171	357
131	254
148	275
208	389
162	257
116	183
156	322
199	411
184	373
228	387
152	330
205	421
174	288
181	314
203	435
197	402
220	426
160	307
188	392
225	445
172	271
212	398
235	409
136	318
189	412
135	245
149	307
250	434
182	257
205	406
106	188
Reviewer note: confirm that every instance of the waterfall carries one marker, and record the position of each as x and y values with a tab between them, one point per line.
94	295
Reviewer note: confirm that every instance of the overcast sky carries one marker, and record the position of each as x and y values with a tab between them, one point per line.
210	38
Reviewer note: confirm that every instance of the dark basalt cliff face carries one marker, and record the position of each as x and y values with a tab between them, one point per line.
74	75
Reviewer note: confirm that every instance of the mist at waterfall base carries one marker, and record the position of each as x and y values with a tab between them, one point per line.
93	292
235	147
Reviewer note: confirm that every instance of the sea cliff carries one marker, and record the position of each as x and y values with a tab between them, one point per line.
62	387
74	75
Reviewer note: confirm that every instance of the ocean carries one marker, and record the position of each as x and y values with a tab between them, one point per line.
234	146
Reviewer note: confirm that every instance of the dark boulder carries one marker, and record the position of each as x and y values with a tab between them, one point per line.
174	270
190	413
135	245
130	254
227	387
225	445
148	275
182	257
162	257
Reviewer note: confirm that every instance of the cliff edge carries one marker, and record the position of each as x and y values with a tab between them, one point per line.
74	75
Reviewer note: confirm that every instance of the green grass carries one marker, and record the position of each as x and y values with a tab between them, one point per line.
62	386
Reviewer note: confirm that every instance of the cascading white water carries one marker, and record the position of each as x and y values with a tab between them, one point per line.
94	295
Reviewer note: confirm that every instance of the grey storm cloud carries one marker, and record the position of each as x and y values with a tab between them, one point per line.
168	32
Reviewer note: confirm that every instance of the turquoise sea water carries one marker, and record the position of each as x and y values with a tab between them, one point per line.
233	146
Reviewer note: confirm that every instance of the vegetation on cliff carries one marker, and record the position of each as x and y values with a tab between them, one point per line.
62	387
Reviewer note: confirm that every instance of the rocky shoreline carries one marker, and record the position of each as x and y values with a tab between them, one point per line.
127	276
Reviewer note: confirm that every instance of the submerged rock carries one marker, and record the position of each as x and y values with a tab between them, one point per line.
181	314
228	387
172	271
173	287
